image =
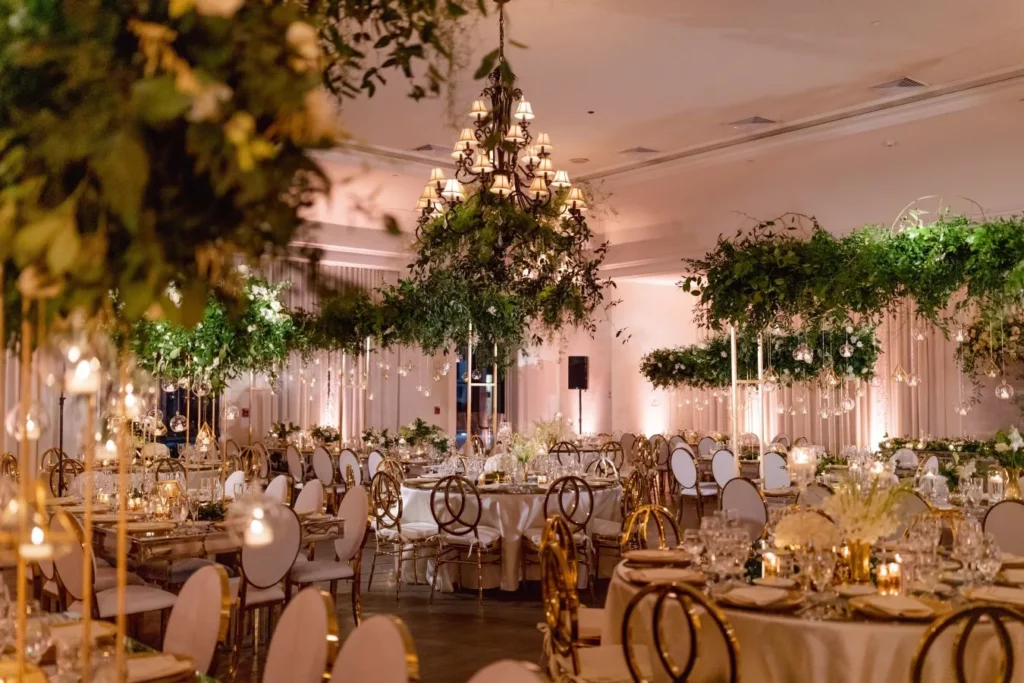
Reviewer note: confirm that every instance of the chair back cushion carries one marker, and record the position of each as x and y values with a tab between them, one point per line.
348	460
311	497
1005	520
723	467
776	471
200	617
278	488
296	468
298	649
380	650
323	466
265	566
684	468
354	510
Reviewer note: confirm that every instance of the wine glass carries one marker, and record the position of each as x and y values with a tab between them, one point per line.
968	547
990	560
927	570
692	544
822	566
37	633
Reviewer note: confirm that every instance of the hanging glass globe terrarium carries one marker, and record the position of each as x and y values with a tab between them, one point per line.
847	350
962	408
1004	391
991	369
34	425
770	380
178	423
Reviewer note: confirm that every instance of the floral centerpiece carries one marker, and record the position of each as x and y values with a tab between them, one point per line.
420	433
379	438
1008	447
282	430
552	431
524	449
865	510
806	527
324	434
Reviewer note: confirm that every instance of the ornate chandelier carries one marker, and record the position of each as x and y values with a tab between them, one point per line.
501	156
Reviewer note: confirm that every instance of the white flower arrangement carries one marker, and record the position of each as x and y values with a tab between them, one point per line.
864	509
524	449
806	527
550	432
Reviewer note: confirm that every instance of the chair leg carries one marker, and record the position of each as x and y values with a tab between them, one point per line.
398	572
373	565
438	564
357	607
479	574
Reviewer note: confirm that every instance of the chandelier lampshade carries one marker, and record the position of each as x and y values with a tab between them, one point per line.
538	189
543	144
501	186
481	164
479	111
561	180
524	112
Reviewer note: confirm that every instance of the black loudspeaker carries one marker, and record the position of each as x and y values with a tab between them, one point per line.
578	372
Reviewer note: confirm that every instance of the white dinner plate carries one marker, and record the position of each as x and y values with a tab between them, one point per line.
852	590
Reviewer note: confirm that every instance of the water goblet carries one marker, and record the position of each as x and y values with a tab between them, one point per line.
68	658
37	633
693	544
990	559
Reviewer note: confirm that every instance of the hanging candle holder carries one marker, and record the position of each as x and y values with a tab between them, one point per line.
770	380
899	374
1004	391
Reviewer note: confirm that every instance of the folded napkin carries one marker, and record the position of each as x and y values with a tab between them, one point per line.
72	633
1013	575
149	668
663	575
756	596
1010	596
899	606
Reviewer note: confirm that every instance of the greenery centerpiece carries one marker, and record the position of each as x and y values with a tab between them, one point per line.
523	450
324	434
419	433
1008	452
282	430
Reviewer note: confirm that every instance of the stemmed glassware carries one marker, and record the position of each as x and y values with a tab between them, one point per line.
968	548
990	560
37	633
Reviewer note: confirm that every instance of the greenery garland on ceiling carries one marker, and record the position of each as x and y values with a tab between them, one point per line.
707	365
774	275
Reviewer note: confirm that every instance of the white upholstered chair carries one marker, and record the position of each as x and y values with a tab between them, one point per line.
930	465
296	466
140	598
776	472
684	469
909	504
327	474
310	498
277	489
814	495
200	616
704	446
508	671
349	468
723	467
304	640
265	567
380	650
373	462
345	565
1004	520
234	479
741	495
904	459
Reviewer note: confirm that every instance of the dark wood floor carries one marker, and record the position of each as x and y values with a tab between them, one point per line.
455	636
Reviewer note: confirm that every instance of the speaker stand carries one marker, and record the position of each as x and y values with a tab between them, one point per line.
579	420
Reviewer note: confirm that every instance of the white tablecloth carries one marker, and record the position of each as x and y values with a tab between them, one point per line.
511	514
786	649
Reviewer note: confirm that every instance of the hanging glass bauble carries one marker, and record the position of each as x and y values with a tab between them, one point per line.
809	355
1004	391
799	399
402	372
830	378
918	334
913	380
419	388
848	404
962	408
792	411
203	388
899	374
770	380
169	386
837	411
875	382
750	391
36	422
465	377
991	369
825	413
699	406
846	350
804	411
230	412
655	403
369	397
686	402
178	423
781	410
426	393
801	352
860	391
960	336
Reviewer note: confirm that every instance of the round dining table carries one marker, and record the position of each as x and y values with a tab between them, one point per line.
787	647
511	513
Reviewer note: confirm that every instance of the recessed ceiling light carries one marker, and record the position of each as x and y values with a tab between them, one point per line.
579	160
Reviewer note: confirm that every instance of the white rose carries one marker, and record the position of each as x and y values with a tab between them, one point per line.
218	8
305	43
1002	447
321	117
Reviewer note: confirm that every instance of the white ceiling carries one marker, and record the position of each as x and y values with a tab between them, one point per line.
668	74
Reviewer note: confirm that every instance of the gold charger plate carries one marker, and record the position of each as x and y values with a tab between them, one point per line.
789	603
862	606
649	557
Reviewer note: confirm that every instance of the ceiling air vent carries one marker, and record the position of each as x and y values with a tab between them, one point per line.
430	148
639	150
752	123
900	84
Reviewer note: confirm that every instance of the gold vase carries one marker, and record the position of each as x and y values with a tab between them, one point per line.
860	561
1012	491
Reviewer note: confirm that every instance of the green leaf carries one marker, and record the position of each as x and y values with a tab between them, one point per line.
64	250
391	225
123	170
157	100
487	63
